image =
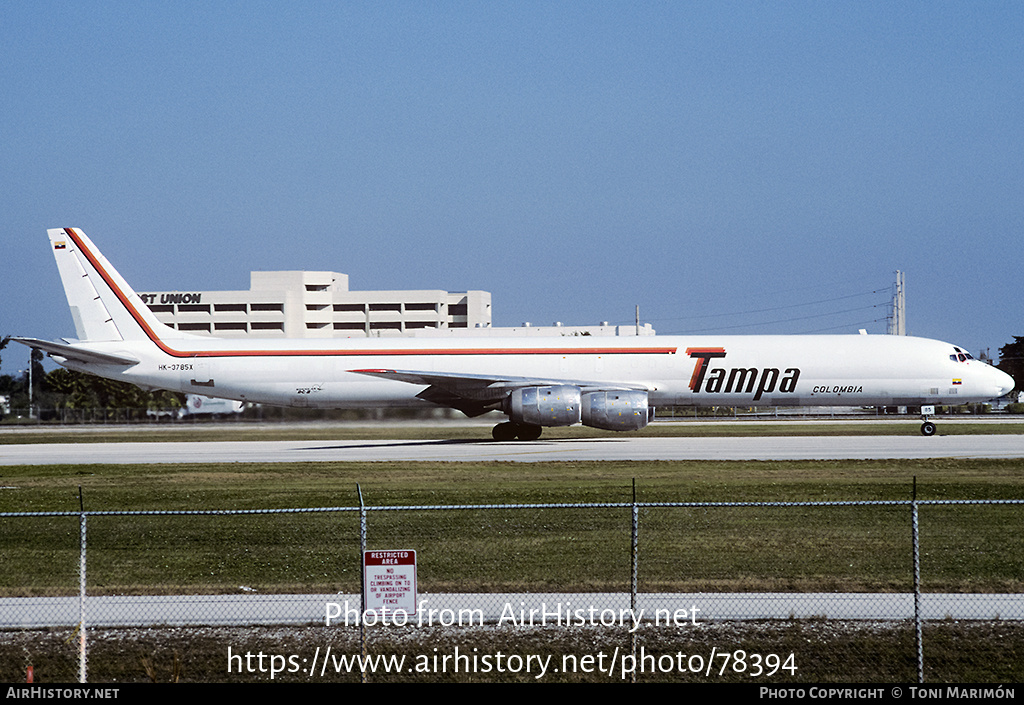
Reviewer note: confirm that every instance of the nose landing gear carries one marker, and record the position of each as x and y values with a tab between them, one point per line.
927	427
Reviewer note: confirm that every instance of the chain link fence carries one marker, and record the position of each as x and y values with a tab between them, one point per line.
870	591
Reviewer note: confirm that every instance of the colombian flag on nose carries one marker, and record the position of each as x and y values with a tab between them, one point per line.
958	381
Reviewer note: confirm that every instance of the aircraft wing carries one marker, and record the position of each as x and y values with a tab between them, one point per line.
474	395
78	352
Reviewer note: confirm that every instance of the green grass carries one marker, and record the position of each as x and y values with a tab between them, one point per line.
964	548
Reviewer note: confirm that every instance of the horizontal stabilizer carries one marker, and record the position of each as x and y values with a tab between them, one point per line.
78	352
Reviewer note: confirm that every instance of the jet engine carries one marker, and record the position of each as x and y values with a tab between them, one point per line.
616	411
565	405
557	405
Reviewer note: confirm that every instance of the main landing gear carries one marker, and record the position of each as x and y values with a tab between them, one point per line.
510	431
927	428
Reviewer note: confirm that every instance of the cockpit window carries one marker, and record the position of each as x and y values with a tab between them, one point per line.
960	355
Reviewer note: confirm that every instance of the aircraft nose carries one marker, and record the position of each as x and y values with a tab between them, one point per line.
1004	382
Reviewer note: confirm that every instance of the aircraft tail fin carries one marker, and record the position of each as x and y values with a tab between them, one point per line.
103	306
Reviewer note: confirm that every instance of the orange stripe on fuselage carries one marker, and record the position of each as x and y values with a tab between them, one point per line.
151	334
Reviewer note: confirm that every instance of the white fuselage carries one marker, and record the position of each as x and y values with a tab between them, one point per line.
853	370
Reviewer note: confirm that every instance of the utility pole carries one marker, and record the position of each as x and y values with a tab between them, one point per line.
898	322
31	353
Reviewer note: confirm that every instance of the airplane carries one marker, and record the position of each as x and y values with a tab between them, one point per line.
536	383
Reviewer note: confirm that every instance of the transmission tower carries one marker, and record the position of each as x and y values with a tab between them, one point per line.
898	321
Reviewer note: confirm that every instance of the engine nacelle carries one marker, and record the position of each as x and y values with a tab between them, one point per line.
616	411
557	405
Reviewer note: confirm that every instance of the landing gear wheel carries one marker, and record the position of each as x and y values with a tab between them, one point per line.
927	429
509	431
504	432
528	432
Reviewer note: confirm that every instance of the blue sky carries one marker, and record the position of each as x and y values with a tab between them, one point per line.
734	167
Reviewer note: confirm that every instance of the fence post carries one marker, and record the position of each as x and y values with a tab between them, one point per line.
633	582
362	582
82	655
917	583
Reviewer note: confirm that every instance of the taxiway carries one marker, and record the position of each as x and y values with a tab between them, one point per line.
617	448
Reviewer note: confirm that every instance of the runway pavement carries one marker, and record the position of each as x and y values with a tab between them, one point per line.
535	609
617	448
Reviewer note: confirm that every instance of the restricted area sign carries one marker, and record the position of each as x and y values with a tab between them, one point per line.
390	580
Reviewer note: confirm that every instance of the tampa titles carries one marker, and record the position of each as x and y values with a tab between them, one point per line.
739	380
